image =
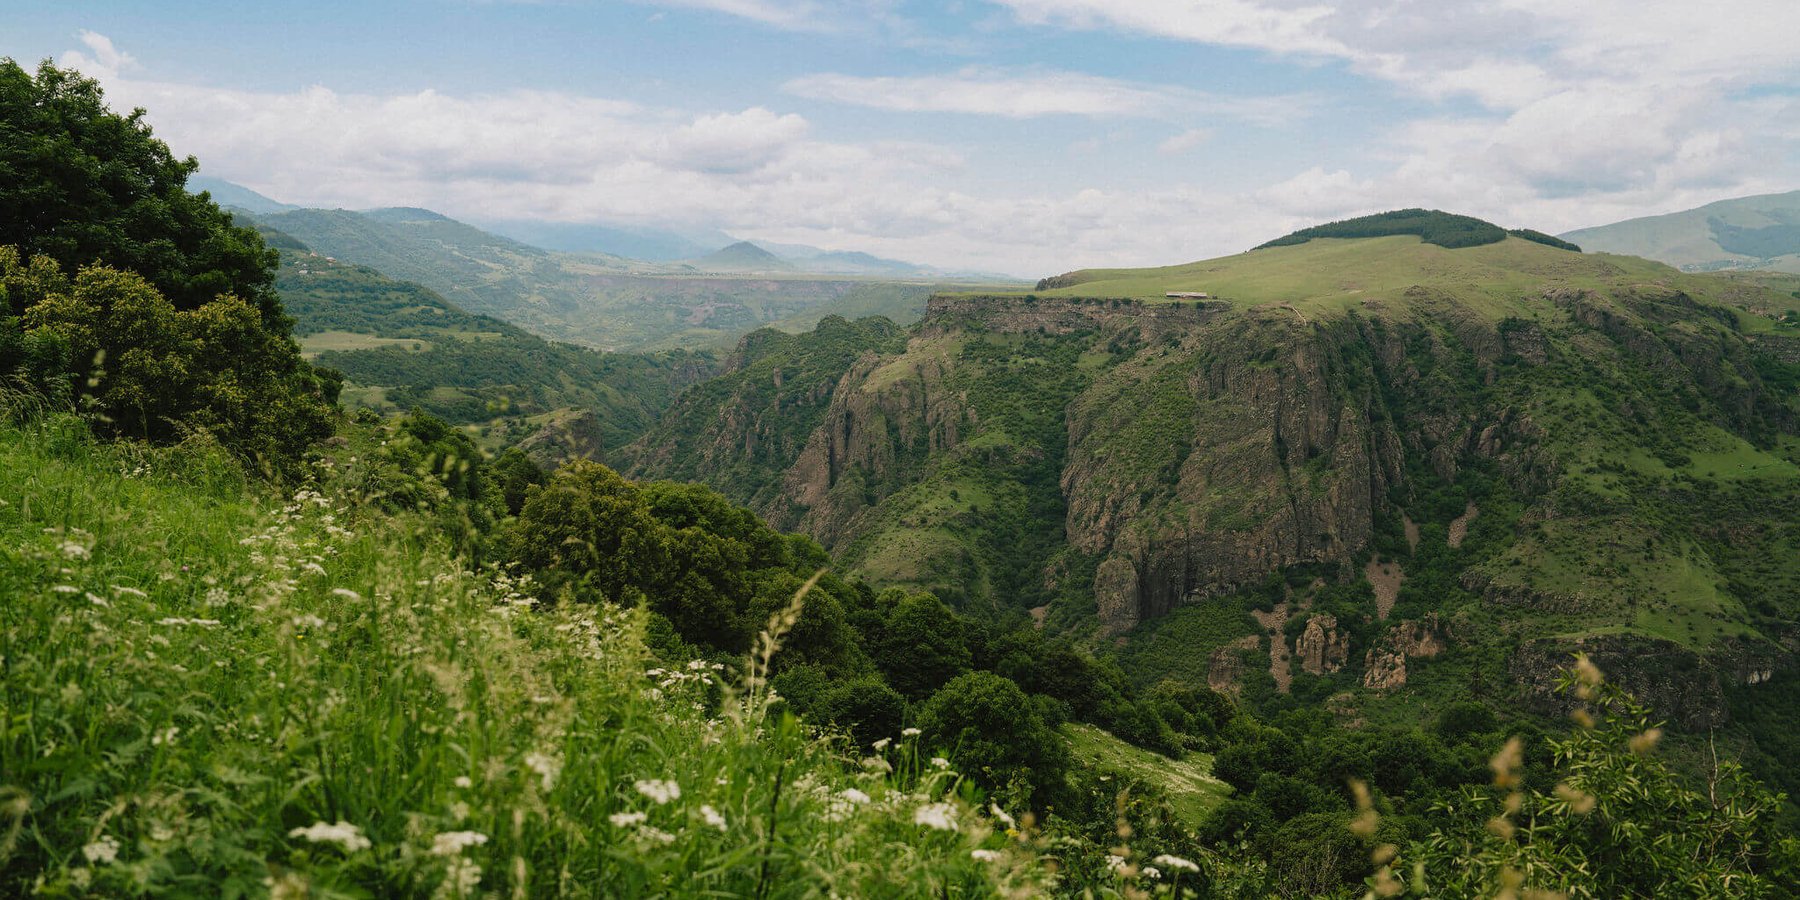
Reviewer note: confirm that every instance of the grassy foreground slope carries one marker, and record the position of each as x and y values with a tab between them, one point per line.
211	692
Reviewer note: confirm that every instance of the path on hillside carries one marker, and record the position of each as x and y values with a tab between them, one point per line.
1274	622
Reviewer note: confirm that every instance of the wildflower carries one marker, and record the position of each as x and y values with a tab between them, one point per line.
1176	863
65	589
1643	743
312	568
451	843
1580	802
1001	815
464	781
204	623
712	817
72	550
547	767
940	816
290	886
882	744
854	796
124	591
627	819
1116	863
165	736
655	835
938	762
103	851
309	621
463	878
985	855
909	732
659	791
1151	873
343	834
345	593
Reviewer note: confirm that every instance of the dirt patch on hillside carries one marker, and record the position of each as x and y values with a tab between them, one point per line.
1274	622
1412	532
1459	526
1385	578
1037	616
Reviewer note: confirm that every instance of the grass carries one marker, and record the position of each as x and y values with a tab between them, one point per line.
314	344
1187	783
214	691
1332	276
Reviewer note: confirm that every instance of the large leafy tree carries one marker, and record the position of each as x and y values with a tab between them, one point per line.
84	185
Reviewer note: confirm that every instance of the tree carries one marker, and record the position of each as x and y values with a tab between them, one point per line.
84	185
922	645
993	732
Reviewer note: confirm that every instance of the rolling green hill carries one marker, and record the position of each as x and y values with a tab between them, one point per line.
401	346
601	301
1761	232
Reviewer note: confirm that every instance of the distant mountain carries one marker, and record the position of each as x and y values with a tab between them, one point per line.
742	256
602	301
1761	232
650	244
226	193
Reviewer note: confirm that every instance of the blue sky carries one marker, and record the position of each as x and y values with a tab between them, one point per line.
1026	136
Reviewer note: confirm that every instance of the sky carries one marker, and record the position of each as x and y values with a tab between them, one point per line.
1021	136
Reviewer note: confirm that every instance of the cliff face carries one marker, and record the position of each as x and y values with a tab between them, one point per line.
1564	456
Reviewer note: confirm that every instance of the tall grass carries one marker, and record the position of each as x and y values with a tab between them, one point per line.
212	693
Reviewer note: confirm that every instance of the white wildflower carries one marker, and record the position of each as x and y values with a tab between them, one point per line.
548	767
1151	872
464	781
1001	815
346	593
203	623
854	796
712	817
985	855
463	878
165	736
659	791
65	589
655	835
312	568
72	550
98	600
1176	863
1116	863
343	834
882	744
909	732
627	819
451	843
102	851
124	591
941	816
938	762
309	621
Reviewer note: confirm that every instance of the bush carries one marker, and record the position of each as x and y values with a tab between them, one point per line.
993	733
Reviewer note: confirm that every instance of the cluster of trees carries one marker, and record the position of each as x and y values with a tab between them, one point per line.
1430	225
123	294
870	662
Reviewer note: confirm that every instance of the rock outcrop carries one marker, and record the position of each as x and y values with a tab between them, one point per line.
1678	683
1384	666
1322	648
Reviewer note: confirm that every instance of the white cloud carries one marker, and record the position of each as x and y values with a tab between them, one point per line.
101	57
1024	95
795	15
1184	142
